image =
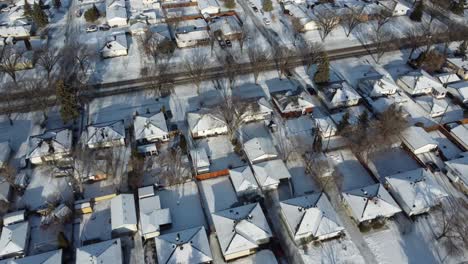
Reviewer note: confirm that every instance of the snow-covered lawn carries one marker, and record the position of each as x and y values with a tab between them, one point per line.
332	252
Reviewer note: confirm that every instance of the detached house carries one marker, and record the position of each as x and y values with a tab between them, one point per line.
52	145
243	180
152	216
293	104
107	134
116	13
208	7
420	82
460	65
261	109
298	12
241	230
395	7
226	27
457	171
151	128
14	240
123	215
205	123
417	140
377	86
270	173
339	94
106	252
260	149
459	90
115	46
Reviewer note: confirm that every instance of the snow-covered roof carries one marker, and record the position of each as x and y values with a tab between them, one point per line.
415	190
227	25
259	148
370	202
270	172
241	228
14	239
123	211
152	216
242	179
196	35
459	89
115	42
310	214
150	126
50	142
5	151
107	252
15	31
5	191
51	257
459	62
204	120
14	217
436	107
377	86
106	132
340	93
461	133
290	102
115	9
187	246
447	77
203	4
326	125
418	140
146	191
419	80
199	158
459	167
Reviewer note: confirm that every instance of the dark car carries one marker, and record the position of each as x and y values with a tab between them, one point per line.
228	43
104	27
222	44
255	9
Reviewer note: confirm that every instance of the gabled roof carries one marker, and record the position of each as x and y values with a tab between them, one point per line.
123	211
461	132
270	172
106	132
417	137
447	77
377	86
370	202
241	228
14	238
51	257
150	126
227	25
116	42
292	102
418	80
203	120
258	148
460	89
50	142
310	214
107	252
459	167
243	179
187	246
199	157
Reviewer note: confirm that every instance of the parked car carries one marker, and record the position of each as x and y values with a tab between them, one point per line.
78	13
222	44
228	43
104	27
266	21
92	28
255	9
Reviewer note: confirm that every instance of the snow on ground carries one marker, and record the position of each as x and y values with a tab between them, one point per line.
447	147
218	193
335	251
302	183
43	239
221	153
353	173
93	226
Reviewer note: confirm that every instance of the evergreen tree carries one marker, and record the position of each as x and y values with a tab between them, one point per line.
57	4
267	6
92	14
322	75
418	11
27	9
231	4
69	107
344	123
39	16
458	7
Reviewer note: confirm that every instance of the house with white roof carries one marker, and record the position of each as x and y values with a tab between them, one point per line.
437	107
115	46
447	77
325	126
243	180
208	7
123	215
417	140
52	145
51	257
310	216
298	12
151	128
200	160
377	86
116	13
261	109
460	134
14	217
293	104
205	123
339	94
241	230
396	7
186	246
5	151
459	90
152	216
457	171
107	134
420	82
16	31
260	149
191	33
415	191
226	27
270	173
460	65
371	202
14	240
106	252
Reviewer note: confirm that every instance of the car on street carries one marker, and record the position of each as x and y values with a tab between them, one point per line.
266	21
255	9
228	43
104	27
222	44
91	28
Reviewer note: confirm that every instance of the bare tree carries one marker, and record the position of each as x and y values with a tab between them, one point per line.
245	34
297	27
382	18
75	63
412	36
135	176
230	67
327	19
258	57
8	174
10	61
48	59
377	42
310	53
351	19
452	232
174	168
283	58
195	66
38	92
160	77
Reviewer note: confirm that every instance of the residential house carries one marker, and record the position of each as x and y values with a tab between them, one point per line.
420	82
377	86
369	203
293	104
200	160
270	173
106	252
152	216
208	7
107	134
52	145
5	151
261	109
190	33
457	171
437	107
417	140
226	27
325	125
241	230
415	191
139	28
205	123
459	90
186	246
460	134
310	216
151	128
447	78
116	13
116	45
5	190
14	240
395	7
339	94
123	215
460	65
260	149
51	257
243	180
14	218
300	13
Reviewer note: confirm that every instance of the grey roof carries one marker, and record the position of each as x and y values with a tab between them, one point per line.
14	238
106	132
50	142
150	126
51	257
107	252
270	172
259	148
123	211
152	216
243	179
203	120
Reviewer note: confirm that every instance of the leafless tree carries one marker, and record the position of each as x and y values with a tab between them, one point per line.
195	65
174	168
258	56
160	77
310	53
412	36
230	67
454	227
48	59
283	58
8	174
245	34
382	18
297	26
351	19
377	42
10	61
327	19
38	92
75	63
135	176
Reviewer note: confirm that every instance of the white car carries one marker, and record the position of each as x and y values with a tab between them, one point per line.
266	21
92	28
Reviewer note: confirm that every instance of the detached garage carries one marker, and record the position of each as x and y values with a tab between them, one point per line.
418	140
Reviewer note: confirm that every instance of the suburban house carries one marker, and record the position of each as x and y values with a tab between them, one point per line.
52	145
106	252
460	134
460	65
190	33
205	123
226	27
243	180
14	240
270	173
377	86
420	82
107	134
371	202
186	246
51	257
310	216
116	13
437	107
395	7
260	149
339	94
415	191
115	46
261	109
298	12
293	104
417	140
150	128
200	160
241	230
446	78
123	215
5	151
152	216
325	126
459	90
208	7
457	171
